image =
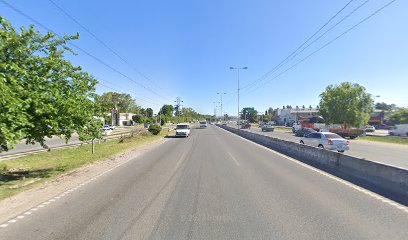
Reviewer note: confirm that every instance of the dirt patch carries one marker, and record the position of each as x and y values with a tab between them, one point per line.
13	206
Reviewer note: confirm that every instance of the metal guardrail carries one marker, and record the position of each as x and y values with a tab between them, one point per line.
73	145
65	146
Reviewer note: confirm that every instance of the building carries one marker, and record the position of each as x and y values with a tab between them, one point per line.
288	116
376	117
125	119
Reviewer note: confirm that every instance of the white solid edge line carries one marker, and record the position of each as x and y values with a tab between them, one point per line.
347	183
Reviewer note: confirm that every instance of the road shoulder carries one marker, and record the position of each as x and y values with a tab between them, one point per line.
23	201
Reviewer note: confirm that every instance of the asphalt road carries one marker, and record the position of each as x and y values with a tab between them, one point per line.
387	153
213	185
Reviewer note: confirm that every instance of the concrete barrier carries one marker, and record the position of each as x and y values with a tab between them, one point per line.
392	181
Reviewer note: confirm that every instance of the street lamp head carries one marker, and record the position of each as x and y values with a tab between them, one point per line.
231	68
245	68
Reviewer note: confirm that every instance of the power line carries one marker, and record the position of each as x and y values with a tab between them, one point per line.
320	36
104	44
141	99
284	61
328	43
76	46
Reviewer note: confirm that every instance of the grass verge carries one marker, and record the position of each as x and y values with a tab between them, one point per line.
280	128
23	173
385	139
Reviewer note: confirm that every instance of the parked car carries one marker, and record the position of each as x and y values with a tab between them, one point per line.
304	131
183	130
245	126
399	130
267	128
383	127
326	140
106	127
112	127
370	129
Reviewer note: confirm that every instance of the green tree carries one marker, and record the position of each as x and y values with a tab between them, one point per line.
124	102
400	117
385	107
138	118
167	110
41	93
149	112
348	104
249	114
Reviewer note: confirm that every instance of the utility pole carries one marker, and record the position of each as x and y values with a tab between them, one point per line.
178	105
215	109
222	93
238	68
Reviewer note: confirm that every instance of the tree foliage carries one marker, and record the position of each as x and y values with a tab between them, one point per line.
385	107
138	118
167	110
249	114
348	104
154	129
41	93
149	112
122	101
400	117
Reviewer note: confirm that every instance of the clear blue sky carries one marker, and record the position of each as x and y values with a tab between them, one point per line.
187	47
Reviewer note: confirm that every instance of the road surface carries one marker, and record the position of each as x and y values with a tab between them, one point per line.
212	185
387	153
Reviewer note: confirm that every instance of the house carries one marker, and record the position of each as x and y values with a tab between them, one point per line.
125	119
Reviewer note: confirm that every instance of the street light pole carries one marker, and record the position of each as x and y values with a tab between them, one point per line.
238	68
221	103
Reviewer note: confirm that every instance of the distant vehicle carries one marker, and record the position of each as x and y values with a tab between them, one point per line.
296	127
370	129
383	127
399	130
348	132
224	124
304	132
326	140
106	127
267	128
203	124
245	126
112	127
183	130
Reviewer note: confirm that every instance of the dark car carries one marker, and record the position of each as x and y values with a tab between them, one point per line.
383	126
304	132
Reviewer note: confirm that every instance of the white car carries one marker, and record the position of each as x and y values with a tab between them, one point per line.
326	140
183	130
399	130
203	124
106	128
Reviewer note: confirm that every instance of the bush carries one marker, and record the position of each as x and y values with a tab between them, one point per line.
3	168
154	129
